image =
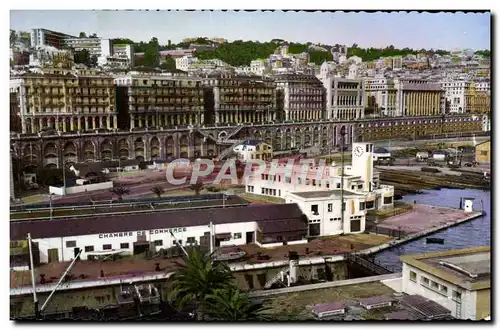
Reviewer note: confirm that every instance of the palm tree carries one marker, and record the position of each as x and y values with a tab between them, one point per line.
119	191
197	187
158	190
232	304
198	278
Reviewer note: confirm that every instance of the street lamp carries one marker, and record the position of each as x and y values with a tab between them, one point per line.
342	134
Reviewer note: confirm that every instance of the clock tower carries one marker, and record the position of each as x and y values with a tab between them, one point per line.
362	163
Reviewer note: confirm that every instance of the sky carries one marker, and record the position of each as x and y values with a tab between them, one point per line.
414	30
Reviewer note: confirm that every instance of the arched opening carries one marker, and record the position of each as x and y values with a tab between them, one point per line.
106	150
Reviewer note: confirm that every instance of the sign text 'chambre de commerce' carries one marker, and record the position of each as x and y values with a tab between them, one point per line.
143	232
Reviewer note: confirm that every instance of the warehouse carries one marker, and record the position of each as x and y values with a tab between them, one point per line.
135	232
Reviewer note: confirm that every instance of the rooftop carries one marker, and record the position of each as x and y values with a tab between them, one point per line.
325	194
468	268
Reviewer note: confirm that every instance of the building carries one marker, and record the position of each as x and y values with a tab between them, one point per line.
458	280
344	98
323	211
44	37
183	63
240	99
301	97
381	97
418	98
159	100
65	101
280	179
478	99
253	149
137	232
92	45
14	106
483	152
455	93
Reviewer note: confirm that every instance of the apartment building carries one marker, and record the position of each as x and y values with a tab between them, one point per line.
65	101
380	97
344	98
419	98
478	98
92	45
241	99
159	100
44	37
458	280
455	92
301	97
253	149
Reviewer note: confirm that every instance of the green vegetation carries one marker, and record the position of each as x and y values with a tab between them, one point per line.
370	54
119	191
210	286
484	53
158	191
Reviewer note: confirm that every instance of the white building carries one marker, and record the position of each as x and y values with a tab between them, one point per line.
92	45
134	232
344	98
455	94
323	211
280	180
458	280
116	56
44	38
381	95
258	67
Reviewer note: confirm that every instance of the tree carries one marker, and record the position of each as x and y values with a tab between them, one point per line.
12	38
158	191
82	35
151	55
82	57
197	278
169	64
93	61
93	35
119	191
231	304
196	187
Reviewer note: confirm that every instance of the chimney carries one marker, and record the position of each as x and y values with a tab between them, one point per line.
42	278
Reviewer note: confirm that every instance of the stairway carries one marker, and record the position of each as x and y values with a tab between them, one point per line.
226	152
277	277
233	133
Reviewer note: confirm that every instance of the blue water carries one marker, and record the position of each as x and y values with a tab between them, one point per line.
469	234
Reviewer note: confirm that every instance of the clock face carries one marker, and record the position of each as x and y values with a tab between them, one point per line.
358	151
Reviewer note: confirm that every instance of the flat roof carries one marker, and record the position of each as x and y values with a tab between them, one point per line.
324	194
468	268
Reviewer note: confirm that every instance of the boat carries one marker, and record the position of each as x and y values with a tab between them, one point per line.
434	240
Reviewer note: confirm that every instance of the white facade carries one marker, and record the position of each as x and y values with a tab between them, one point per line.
378	89
344	97
92	45
324	208
440	291
486	123
455	94
258	67
183	63
123	242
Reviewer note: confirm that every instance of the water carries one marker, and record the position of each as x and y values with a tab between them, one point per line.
469	234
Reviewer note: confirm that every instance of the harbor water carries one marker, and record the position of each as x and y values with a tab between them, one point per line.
473	233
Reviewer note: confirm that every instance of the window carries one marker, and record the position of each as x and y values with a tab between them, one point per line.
330	207
456	295
70	244
124	245
106	247
327	185
237	235
158	242
314	209
434	285
424	280
387	200
279	238
207	233
361	206
338	185
484	153
331	219
89	248
443	289
343	206
191	240
413	276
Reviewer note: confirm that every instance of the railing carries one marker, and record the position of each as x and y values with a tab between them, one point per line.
277	277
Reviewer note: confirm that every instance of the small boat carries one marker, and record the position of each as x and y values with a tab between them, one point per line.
434	240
